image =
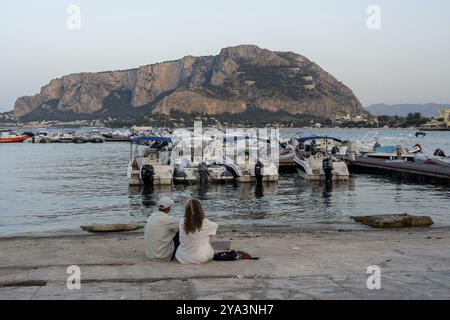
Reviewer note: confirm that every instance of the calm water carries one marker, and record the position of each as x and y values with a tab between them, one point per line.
55	188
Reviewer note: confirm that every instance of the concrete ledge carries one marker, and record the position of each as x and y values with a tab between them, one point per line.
295	264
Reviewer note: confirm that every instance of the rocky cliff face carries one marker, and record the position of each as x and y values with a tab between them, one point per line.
238	78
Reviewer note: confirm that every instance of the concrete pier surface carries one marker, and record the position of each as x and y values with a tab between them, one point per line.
294	264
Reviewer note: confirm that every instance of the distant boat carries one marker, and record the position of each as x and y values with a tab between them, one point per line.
117	136
80	139
66	137
420	134
151	165
8	136
96	137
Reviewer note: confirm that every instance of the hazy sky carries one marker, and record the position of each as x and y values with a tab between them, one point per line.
406	61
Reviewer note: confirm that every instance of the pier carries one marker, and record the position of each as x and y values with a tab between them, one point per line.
407	171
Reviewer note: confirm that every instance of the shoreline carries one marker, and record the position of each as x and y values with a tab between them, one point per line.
223	229
294	264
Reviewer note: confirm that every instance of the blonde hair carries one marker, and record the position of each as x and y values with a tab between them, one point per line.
193	216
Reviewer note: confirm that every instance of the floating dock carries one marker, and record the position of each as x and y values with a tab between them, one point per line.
406	171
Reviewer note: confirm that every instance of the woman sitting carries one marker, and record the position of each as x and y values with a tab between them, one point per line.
195	235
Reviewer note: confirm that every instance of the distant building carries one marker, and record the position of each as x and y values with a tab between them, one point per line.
445	115
343	118
432	124
358	118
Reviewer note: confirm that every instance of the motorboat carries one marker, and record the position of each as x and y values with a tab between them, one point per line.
96	137
150	161
361	146
316	159
9	136
66	137
199	160
252	163
117	136
79	139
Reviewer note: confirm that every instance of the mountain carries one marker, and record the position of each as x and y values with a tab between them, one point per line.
427	110
239	79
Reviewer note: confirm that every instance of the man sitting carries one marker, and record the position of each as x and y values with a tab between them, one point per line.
161	233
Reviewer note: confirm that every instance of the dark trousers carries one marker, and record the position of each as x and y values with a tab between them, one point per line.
176	242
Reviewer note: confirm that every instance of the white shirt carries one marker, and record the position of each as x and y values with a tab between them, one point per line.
195	248
160	230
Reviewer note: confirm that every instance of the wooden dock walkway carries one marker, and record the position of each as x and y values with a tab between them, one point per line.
408	171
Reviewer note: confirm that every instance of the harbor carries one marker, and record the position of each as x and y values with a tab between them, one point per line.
303	221
69	185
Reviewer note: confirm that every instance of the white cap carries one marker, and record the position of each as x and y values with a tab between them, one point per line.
165	203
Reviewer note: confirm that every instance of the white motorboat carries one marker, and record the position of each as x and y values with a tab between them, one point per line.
316	159
150	162
96	137
199	160
252	163
66	137
361	146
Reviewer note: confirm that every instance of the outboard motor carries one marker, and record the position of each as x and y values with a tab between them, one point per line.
259	172
327	165
148	175
203	173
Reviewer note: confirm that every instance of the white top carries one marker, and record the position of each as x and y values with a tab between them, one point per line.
160	230
195	248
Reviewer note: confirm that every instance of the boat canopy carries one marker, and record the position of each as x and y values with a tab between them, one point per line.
304	139
148	139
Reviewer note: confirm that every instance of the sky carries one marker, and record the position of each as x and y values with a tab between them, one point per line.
404	59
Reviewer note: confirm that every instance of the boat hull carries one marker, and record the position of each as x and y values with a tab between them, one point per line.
339	173
13	140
